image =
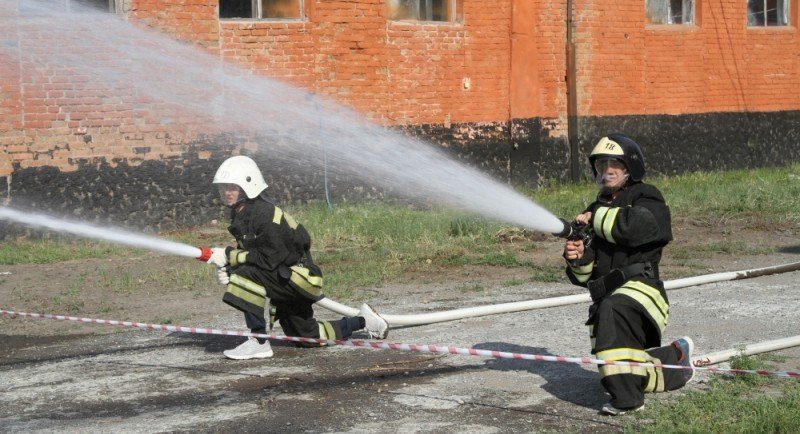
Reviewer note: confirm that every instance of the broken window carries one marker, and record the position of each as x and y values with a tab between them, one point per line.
260	9
767	12
669	11
426	10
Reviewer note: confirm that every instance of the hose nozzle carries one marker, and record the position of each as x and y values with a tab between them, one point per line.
205	254
567	232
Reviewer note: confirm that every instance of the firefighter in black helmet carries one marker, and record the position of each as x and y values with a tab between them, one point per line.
630	222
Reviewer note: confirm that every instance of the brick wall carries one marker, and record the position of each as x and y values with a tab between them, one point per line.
395	72
505	63
720	65
188	20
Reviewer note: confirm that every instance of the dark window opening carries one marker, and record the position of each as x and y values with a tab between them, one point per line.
426	10
767	13
260	9
669	11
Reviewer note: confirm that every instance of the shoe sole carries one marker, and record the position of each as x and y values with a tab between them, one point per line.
691	362
254	356
620	412
386	332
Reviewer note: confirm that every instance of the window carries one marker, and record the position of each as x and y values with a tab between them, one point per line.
89	5
260	9
669	11
426	10
767	12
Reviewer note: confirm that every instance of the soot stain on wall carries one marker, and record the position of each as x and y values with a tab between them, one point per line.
175	193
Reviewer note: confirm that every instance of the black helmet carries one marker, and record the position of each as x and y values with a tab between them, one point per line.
623	148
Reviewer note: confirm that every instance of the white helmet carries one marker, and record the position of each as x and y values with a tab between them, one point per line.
241	171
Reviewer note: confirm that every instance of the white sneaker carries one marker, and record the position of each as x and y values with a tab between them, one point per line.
614	411
250	349
376	326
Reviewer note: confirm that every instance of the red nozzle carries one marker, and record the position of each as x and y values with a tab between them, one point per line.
205	254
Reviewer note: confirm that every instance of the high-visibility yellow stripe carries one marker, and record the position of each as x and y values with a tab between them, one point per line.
290	220
323	333
608	370
653	293
597	221
608	224
626	354
302	278
248	284
631	354
655	376
329	330
655	379
276	218
647	303
246	295
583	273
237	257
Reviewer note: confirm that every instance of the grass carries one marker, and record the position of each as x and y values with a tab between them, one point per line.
372	244
51	250
733	404
754	198
361	245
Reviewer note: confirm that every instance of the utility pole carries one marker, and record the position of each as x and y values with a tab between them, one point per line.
572	97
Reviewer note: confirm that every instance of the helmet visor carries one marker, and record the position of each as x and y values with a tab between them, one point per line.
230	194
610	171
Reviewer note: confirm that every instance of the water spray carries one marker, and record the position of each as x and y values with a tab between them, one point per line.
136	65
204	253
112	235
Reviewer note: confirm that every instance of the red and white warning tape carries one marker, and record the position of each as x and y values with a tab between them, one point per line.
393	346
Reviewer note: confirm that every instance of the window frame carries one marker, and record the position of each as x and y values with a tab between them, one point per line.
113	6
693	21
456	13
788	7
257	9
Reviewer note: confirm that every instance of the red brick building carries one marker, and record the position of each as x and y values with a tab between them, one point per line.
522	87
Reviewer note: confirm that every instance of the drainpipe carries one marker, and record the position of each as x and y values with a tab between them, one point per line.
572	98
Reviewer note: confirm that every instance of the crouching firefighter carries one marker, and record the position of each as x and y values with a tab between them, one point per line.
272	265
613	248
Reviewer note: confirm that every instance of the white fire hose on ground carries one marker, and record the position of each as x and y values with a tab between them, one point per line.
749	350
471	312
708	359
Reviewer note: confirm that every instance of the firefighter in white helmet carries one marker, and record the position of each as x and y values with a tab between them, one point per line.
629	225
272	264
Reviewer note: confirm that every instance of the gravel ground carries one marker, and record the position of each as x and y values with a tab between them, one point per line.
57	376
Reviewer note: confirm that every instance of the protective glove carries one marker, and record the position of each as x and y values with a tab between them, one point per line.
218	257
222	276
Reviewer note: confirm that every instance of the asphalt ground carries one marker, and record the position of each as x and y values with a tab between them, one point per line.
83	378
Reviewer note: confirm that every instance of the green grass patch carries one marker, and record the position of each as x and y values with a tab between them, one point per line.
733	404
471	287
372	244
51	250
753	198
547	273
